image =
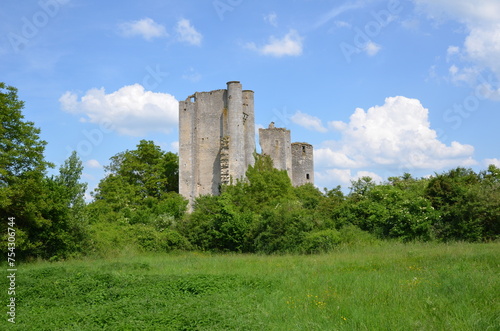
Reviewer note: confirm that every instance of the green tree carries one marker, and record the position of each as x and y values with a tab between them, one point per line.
73	194
331	208
360	187
264	186
22	171
149	168
217	224
396	209
489	208
138	198
403	213
139	185
309	196
282	228
49	211
21	148
456	195
67	232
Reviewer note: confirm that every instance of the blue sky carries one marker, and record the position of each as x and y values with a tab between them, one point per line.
378	87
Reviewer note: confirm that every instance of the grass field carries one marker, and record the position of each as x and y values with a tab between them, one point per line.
387	287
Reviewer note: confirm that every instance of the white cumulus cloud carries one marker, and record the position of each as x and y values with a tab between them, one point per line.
308	121
146	28
130	111
494	161
290	45
93	164
331	157
467	74
396	134
187	33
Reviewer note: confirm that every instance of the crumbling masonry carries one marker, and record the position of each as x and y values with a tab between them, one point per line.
217	142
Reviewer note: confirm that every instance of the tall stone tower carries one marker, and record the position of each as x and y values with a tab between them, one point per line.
216	139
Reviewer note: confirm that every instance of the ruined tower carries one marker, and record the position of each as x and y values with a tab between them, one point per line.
217	142
302	164
295	158
216	139
276	143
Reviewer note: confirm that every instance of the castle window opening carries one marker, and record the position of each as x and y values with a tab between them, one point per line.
307	176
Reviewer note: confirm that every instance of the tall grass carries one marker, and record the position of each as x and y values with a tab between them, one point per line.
386	287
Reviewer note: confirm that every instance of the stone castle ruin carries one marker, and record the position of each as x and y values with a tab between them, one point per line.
217	142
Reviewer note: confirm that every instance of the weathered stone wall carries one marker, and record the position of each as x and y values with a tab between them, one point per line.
187	159
302	164
225	177
235	130
275	142
249	127
216	139
209	106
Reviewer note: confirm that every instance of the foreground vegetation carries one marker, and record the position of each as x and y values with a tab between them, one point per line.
390	286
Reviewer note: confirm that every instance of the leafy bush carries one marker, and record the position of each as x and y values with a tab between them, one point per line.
216	224
468	204
112	239
282	229
151	240
351	235
320	241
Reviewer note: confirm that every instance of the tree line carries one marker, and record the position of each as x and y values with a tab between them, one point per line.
137	206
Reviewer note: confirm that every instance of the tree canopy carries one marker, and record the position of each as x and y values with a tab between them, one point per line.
48	211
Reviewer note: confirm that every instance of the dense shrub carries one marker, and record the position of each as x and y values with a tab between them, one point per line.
468	204
216	224
351	235
282	229
320	241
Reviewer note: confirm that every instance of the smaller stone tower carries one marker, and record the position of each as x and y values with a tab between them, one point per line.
302	164
275	142
296	158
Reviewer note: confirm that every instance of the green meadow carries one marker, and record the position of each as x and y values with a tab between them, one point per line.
391	286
